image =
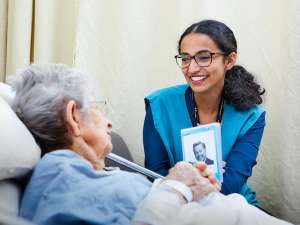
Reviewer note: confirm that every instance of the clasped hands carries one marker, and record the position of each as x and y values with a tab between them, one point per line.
198	177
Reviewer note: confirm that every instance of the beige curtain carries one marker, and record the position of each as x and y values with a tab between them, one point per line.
55	28
19	27
127	47
3	35
36	31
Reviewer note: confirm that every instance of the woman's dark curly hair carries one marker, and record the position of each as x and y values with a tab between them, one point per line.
240	88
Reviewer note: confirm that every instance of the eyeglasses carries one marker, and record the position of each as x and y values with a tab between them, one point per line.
106	109
100	105
202	58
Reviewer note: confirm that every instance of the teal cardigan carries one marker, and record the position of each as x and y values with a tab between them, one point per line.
170	116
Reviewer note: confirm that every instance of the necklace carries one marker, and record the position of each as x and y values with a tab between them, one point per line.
196	119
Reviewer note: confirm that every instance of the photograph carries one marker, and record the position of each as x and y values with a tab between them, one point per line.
199	149
203	143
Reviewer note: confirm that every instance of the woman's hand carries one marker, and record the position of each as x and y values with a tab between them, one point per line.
206	172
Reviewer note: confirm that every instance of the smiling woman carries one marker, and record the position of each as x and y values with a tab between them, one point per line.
217	90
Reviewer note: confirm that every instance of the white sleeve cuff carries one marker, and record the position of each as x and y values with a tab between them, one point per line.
177	186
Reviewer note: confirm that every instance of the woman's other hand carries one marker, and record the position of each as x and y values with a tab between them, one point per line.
207	173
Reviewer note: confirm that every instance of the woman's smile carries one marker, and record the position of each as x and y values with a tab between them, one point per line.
198	79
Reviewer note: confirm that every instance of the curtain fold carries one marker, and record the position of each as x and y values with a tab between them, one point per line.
18	34
3	39
36	31
55	31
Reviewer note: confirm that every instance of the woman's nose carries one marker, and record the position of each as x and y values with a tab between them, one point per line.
193	66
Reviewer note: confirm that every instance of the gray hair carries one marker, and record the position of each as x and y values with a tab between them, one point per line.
42	93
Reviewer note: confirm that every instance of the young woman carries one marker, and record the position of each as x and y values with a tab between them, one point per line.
217	90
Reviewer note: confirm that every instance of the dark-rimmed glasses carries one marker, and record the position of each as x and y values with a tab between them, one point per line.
203	59
100	105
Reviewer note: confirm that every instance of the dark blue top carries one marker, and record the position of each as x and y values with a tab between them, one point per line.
239	163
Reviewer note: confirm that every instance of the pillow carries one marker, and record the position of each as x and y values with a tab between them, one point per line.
6	92
18	150
10	193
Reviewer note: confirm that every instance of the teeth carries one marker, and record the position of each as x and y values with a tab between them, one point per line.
198	78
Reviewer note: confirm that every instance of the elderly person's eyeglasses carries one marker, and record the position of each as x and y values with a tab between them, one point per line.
106	110
203	59
100	105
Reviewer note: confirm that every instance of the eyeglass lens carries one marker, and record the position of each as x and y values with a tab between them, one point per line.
202	59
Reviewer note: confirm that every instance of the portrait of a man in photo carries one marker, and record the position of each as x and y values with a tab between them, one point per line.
199	149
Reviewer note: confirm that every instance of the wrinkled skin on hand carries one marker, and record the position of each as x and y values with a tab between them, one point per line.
197	177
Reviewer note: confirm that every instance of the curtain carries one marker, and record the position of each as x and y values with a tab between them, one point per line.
19	27
3	34
55	29
36	31
128	48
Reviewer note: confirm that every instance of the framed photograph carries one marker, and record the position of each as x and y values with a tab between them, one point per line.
203	143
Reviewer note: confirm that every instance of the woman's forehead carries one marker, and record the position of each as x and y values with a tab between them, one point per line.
195	42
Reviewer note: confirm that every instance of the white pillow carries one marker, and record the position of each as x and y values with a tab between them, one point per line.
10	193
19	152
6	93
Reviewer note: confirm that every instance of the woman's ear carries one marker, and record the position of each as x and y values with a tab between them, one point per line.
73	118
230	60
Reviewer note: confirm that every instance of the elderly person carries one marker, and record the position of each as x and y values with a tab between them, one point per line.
70	184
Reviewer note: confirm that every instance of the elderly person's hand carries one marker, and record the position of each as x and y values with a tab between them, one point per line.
192	177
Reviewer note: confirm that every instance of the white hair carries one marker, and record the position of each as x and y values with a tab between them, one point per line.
42	93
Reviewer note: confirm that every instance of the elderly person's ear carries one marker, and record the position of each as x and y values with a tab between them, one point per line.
73	118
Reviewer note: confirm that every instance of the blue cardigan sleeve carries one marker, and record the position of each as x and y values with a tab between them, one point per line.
242	158
156	156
